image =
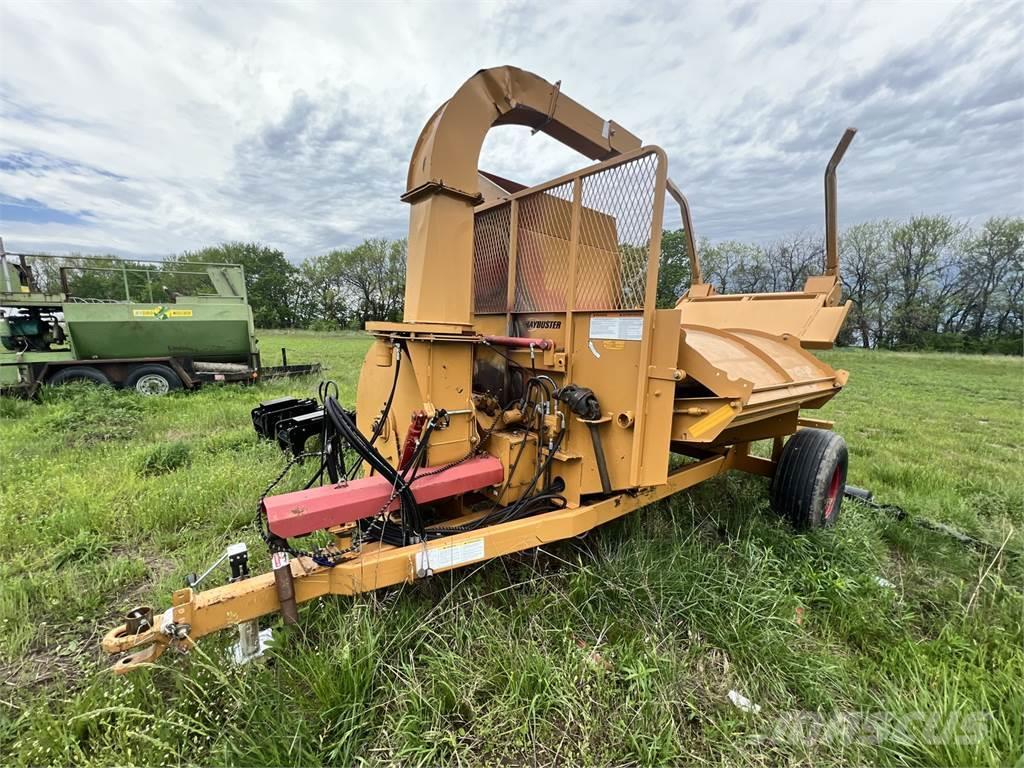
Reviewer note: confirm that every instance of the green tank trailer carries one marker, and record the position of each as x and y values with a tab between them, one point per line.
160	326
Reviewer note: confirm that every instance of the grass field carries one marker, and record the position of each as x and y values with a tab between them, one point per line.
620	648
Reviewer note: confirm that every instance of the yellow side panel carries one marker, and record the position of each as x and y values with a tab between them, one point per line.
657	422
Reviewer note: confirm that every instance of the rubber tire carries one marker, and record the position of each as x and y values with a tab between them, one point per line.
806	474
79	373
153	369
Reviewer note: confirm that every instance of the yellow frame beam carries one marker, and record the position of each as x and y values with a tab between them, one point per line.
382	566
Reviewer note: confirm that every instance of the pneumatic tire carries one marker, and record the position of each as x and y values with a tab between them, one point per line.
810	479
153	380
79	374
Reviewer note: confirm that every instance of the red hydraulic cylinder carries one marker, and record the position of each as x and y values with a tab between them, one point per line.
520	342
302	512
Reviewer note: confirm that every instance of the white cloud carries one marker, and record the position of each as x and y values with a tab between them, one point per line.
164	127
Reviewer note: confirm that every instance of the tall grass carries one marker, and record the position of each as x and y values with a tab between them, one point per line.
620	648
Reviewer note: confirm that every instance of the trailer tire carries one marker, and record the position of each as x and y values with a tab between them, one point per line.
153	380
79	373
810	479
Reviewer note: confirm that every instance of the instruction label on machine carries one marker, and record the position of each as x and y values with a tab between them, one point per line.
617	327
161	313
448	556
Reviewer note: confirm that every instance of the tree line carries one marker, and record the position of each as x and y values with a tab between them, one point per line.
343	288
927	282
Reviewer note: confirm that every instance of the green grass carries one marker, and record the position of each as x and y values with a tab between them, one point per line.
619	648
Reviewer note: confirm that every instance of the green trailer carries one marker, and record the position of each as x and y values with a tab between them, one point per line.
152	326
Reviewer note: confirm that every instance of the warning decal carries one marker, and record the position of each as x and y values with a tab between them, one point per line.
617	327
448	556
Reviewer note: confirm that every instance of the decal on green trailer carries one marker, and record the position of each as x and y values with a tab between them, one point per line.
161	313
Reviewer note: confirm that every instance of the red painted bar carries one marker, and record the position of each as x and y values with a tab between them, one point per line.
301	512
520	342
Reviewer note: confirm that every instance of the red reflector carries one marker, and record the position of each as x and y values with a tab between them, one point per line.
301	512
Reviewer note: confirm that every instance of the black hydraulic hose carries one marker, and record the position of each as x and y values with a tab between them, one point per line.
319	473
409	473
332	456
519	509
410	515
354	437
391	396
334	459
343	423
372	456
336	455
378	528
540	470
602	465
866	497
410	509
525	506
385	412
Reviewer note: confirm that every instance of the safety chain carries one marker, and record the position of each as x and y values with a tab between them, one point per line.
898	513
328	556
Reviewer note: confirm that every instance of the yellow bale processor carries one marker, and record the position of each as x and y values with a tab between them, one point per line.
534	390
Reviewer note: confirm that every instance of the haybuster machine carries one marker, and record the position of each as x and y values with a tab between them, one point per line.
534	390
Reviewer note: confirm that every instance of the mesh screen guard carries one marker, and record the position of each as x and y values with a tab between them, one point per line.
586	242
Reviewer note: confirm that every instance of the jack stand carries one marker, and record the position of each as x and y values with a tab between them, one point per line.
251	642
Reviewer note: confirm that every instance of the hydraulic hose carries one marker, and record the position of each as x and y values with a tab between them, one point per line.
602	465
341	421
384	412
391	396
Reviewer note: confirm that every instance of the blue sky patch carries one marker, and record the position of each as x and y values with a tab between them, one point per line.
34	212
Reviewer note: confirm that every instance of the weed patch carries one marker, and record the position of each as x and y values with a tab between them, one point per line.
83	414
164	457
14	408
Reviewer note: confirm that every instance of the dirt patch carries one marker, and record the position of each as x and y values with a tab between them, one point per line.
157	567
61	657
65	656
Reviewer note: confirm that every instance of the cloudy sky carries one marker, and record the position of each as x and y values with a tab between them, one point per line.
151	128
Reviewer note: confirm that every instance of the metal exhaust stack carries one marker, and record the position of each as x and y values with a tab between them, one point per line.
831	203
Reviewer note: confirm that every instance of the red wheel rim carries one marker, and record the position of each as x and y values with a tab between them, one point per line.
833	493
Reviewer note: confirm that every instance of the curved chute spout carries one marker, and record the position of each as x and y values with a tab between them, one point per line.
442	184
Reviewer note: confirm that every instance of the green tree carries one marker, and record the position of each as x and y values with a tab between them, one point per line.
994	258
862	270
729	266
322	297
785	264
921	264
95	277
674	269
351	286
270	279
374	275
